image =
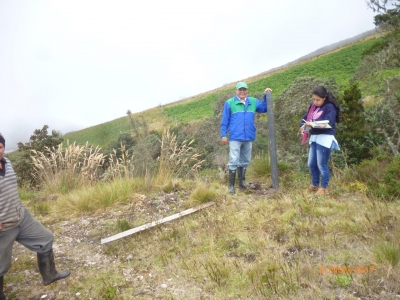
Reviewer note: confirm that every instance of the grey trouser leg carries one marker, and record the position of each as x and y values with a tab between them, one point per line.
239	154
30	233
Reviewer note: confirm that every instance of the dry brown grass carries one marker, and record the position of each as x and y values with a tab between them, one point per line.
119	167
60	170
176	160
247	246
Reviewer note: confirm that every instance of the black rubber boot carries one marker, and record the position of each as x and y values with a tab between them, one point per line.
47	268
232	178
2	296
242	177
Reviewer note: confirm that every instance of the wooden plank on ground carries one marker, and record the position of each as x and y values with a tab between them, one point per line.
155	223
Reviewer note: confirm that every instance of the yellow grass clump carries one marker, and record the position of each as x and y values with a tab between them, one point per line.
59	170
176	161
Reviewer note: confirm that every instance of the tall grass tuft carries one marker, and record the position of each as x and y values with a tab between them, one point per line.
41	208
217	269
176	161
202	194
60	171
97	197
120	167
123	225
387	252
261	165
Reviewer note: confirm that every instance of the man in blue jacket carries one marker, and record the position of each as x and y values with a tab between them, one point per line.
238	120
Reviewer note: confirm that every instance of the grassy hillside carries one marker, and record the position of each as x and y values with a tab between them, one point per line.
260	243
101	135
339	64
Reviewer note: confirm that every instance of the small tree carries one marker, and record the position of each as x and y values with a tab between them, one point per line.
352	130
383	117
39	141
125	139
388	17
139	129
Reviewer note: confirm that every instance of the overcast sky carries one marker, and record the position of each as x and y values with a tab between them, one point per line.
75	64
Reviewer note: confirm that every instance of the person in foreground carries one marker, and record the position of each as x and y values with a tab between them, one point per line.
17	224
322	141
238	120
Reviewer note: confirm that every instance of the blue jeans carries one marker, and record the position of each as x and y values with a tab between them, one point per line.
239	154
318	158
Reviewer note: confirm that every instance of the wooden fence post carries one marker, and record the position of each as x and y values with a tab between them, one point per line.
272	141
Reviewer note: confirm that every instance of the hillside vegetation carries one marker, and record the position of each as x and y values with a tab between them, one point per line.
260	243
340	64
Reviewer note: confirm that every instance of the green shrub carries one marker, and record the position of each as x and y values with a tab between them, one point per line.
391	179
378	46
383	118
352	131
145	154
207	140
39	141
381	175
125	139
290	108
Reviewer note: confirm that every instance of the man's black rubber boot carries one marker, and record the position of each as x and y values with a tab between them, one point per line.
242	177
2	296
47	268
232	178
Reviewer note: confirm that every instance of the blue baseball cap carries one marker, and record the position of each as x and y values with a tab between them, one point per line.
241	85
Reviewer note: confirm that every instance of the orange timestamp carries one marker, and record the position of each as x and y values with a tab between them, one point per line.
345	270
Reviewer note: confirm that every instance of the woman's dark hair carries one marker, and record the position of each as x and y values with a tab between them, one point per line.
320	91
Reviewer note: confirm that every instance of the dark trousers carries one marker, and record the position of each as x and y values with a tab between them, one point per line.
30	233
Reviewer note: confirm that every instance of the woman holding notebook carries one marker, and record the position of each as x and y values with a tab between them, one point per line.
319	123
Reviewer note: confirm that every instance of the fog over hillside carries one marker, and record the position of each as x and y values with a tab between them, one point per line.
328	48
25	129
